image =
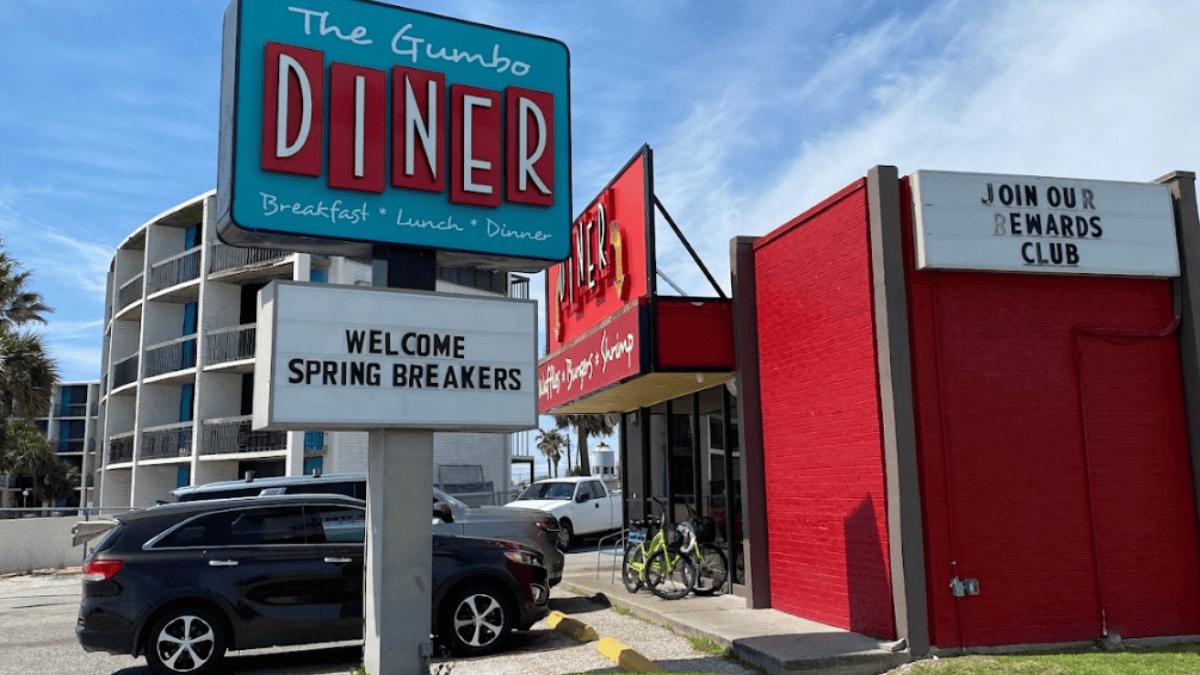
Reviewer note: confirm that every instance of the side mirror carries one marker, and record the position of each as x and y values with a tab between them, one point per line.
443	511
581	497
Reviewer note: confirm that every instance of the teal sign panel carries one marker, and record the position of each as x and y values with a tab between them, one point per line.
347	124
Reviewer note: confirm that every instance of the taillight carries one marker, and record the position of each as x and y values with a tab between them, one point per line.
543	525
101	570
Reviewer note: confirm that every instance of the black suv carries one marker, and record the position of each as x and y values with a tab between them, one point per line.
182	583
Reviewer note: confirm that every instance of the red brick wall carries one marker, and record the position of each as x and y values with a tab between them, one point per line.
1063	499
826	509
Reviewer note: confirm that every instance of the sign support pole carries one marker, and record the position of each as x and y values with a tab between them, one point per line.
399	557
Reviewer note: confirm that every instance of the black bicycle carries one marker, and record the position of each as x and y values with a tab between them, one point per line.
712	567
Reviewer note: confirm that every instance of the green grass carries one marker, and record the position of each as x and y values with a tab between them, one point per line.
625	611
1181	659
707	645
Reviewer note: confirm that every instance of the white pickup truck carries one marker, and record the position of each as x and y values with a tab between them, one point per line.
582	504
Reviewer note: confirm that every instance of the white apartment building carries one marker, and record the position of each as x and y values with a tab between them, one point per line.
177	367
72	425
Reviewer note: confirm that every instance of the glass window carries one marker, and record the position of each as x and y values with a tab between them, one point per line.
318	276
187	395
183	476
313	464
189	319
191	236
283	525
337	524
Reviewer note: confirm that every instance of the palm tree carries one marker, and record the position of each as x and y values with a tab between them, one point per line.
550	442
18	305
584	425
27	376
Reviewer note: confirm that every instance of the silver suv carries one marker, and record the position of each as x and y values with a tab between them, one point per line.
527	526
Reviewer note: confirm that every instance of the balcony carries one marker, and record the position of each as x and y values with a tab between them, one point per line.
174	271
230	345
72	410
125	372
130	293
69	447
234	263
167	442
120	448
233	435
169	357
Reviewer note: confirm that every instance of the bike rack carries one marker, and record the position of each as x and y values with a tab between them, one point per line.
600	547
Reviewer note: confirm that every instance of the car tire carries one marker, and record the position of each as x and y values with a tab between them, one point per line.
185	640
566	538
476	620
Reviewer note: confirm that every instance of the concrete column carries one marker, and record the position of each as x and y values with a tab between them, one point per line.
755	545
1187	299
906	539
399	577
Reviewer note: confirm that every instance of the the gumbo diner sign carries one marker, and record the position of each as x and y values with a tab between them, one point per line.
361	121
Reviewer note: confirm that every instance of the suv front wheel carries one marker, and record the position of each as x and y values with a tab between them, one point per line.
476	621
185	640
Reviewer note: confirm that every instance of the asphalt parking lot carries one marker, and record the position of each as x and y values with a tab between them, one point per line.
37	637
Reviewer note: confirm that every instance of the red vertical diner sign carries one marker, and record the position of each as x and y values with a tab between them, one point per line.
609	266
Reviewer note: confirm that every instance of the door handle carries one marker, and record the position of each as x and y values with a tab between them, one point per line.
338	561
222	563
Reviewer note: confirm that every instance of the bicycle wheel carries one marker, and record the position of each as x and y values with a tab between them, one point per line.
711	569
631	567
670	576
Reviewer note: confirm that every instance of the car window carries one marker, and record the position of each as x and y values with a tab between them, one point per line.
337	524
597	489
244	527
584	490
548	491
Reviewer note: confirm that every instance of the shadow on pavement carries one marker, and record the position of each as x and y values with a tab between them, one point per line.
580	604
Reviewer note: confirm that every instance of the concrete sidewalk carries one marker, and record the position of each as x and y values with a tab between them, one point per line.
769	639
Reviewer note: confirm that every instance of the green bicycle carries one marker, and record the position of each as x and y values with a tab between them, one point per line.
659	563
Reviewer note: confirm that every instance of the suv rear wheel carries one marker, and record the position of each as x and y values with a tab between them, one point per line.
185	640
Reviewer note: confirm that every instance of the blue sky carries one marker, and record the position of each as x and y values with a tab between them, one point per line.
756	111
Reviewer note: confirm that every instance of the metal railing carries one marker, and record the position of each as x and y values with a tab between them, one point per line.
168	441
235	343
125	372
224	257
233	435
182	268
69	446
168	357
120	448
130	292
72	410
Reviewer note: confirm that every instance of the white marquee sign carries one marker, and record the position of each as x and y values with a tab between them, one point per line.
971	221
346	357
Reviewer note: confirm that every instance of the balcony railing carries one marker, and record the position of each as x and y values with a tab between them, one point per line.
125	372
177	270
130	292
72	410
120	448
67	447
166	442
229	344
168	357
228	257
233	435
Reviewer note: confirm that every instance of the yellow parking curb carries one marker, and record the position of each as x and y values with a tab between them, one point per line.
626	658
571	628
